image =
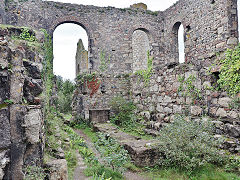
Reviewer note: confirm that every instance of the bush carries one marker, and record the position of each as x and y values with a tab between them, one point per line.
189	145
65	89
113	153
124	111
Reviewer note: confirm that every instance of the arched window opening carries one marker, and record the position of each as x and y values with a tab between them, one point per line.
181	44
140	45
69	41
178	31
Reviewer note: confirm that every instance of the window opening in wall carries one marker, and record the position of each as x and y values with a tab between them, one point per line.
188	28
181	46
212	1
70	44
140	45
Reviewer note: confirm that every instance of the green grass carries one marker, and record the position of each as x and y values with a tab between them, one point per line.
99	170
209	172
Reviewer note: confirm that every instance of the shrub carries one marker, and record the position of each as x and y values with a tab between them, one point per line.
113	153
124	111
65	92
34	173
189	145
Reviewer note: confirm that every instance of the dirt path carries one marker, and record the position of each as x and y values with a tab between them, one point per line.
128	175
78	172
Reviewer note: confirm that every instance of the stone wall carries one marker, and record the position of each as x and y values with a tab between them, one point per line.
208	28
81	59
21	135
140	45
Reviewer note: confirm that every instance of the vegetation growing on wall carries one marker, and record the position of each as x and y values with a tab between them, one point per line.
229	77
90	81
146	74
188	88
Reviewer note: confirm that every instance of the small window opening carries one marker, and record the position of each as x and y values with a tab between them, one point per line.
212	1
188	27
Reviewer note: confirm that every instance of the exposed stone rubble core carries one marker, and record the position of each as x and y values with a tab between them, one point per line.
142	152
21	119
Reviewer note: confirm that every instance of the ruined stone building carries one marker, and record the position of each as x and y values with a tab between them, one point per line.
81	58
119	40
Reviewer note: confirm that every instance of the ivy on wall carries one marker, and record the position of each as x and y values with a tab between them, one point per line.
229	77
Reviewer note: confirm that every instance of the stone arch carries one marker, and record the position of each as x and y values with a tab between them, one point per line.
74	20
140	48
178	42
81	50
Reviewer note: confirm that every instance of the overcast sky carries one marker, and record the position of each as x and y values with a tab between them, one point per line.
66	36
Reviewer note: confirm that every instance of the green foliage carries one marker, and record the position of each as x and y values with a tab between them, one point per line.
189	145
71	159
104	62
10	68
124	111
3	105
34	173
125	118
188	89
8	101
26	35
101	172
102	177
208	172
81	78
47	74
65	89
146	74
229	77
113	153
235	104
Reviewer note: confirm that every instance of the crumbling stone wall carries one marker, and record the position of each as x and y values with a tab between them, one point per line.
81	59
208	28
21	138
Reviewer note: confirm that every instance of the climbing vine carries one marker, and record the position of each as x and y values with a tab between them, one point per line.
47	74
188	89
147	73
229	77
